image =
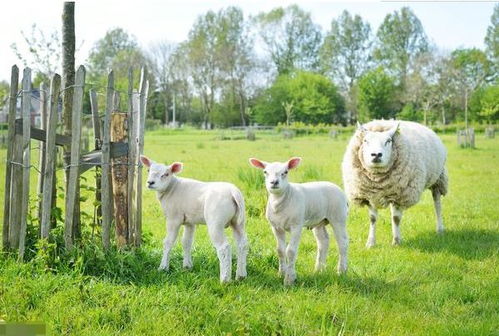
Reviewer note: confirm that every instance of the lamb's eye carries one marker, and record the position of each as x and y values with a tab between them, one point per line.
265	172
284	174
388	141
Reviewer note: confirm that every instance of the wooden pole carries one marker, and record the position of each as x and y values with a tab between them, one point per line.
132	149
106	147
42	156
74	177
50	150
143	91
119	171
14	83
26	150
98	145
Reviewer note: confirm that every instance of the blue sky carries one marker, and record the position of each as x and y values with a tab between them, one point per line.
448	24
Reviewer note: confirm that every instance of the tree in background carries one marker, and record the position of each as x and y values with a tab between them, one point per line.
400	38
313	97
345	54
492	39
291	38
376	95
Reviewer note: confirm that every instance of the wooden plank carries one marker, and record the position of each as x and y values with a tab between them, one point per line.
94	158
42	155
132	139
40	135
50	149
119	170
14	83
143	91
26	149
95	118
97	146
16	196
106	186
74	177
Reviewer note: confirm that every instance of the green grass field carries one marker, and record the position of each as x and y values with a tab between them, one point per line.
430	285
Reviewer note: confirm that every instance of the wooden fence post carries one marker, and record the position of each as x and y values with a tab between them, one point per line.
106	147
14	82
119	172
98	145
132	143
42	156
74	176
143	89
26	149
50	150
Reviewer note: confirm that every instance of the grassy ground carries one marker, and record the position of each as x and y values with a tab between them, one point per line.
430	285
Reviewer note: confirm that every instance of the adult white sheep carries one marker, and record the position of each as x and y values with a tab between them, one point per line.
391	163
189	202
293	206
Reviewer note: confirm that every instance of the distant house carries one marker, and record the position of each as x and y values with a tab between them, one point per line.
35	112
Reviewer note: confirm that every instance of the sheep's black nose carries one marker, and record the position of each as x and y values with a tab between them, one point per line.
376	155
150	183
274	183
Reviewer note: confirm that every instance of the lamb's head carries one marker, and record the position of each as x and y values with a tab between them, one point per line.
377	147
276	173
160	175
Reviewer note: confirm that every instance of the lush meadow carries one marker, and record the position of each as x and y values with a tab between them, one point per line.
430	285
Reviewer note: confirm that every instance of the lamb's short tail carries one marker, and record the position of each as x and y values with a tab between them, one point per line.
238	198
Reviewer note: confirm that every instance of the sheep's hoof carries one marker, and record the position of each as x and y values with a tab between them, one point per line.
163	268
224	280
342	270
289	280
187	265
241	275
396	241
370	244
440	231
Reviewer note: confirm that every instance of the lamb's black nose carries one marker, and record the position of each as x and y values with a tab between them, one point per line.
150	183
274	183
376	155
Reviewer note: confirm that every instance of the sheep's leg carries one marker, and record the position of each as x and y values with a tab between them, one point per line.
291	254
172	228
438	210
322	238
373	217
396	219
187	239
341	235
219	240
242	250
280	236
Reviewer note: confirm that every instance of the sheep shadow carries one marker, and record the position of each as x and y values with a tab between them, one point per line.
471	244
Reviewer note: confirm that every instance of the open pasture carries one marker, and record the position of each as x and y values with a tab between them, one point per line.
430	285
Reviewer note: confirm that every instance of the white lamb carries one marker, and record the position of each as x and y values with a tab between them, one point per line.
189	202
391	163
293	206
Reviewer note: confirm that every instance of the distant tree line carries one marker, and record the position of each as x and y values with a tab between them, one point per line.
280	66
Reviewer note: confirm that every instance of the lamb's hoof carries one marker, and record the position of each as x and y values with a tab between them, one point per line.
224	280
289	280
163	268
440	231
370	244
241	275
396	241
342	270
187	266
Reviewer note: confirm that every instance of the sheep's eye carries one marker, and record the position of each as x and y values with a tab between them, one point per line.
265	172
165	175
388	141
284	174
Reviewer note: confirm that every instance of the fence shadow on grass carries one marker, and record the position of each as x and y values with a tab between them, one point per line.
476	244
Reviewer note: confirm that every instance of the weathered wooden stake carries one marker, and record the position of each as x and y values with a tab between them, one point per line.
14	82
132	148
26	149
98	145
50	150
42	156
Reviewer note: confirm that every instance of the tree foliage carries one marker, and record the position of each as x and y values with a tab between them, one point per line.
492	38
376	95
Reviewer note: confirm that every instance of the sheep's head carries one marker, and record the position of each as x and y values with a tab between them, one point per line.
160	175
377	147
276	173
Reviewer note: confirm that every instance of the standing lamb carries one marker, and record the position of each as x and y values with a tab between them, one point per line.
189	202
391	163
293	206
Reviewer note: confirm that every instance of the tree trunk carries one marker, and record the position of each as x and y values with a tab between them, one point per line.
68	79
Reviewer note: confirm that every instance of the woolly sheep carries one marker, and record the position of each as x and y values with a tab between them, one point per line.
189	202
391	163
293	206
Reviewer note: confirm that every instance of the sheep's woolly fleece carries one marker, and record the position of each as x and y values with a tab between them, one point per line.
417	162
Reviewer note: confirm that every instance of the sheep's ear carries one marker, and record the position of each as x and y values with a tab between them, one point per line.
294	162
145	161
392	131
360	127
176	167
257	163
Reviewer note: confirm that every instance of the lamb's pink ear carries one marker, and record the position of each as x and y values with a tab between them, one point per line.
257	163
294	162
176	167
145	161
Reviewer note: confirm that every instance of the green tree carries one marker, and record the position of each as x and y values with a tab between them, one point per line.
485	103
492	38
400	38
291	38
314	98
376	95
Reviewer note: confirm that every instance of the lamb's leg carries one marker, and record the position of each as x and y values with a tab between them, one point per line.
373	217
172	228
396	220
341	235
219	240
291	254
438	210
322	238
280	237
242	250
187	240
